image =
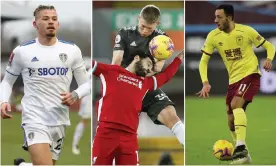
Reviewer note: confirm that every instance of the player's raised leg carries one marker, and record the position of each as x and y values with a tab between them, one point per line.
161	110
169	118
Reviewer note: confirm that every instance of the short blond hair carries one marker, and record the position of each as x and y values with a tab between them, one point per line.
43	7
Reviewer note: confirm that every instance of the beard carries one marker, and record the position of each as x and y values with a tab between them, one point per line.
226	26
50	35
140	70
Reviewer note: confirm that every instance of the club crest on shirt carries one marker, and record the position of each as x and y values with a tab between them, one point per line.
31	135
239	40
63	57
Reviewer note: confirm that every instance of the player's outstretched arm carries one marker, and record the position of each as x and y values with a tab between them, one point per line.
163	77
6	90
270	50
203	68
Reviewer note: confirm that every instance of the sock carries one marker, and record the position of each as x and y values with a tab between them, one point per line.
240	142
25	164
234	137
178	130
78	133
240	125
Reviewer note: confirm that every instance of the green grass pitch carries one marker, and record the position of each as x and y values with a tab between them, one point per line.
206	122
12	139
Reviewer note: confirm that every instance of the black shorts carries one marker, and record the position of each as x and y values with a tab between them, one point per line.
154	102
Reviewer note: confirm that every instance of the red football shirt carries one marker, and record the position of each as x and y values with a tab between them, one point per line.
123	92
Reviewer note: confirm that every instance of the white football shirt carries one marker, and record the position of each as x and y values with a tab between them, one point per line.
47	71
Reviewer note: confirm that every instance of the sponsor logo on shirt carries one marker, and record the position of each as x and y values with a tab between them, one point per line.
233	54
130	80
31	71
52	71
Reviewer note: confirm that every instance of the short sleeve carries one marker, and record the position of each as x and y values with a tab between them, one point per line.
15	63
120	40
255	37
208	47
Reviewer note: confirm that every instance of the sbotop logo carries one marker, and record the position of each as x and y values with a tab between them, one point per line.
48	71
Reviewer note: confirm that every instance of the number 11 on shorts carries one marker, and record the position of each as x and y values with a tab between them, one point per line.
242	87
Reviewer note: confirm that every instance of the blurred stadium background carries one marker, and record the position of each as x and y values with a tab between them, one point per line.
108	18
206	119
16	29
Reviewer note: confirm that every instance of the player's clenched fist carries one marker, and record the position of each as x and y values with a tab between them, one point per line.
267	65
5	107
205	90
68	98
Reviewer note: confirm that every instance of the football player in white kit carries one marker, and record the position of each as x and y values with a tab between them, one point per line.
85	114
47	65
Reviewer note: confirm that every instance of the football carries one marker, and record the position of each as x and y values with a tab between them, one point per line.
223	150
161	47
